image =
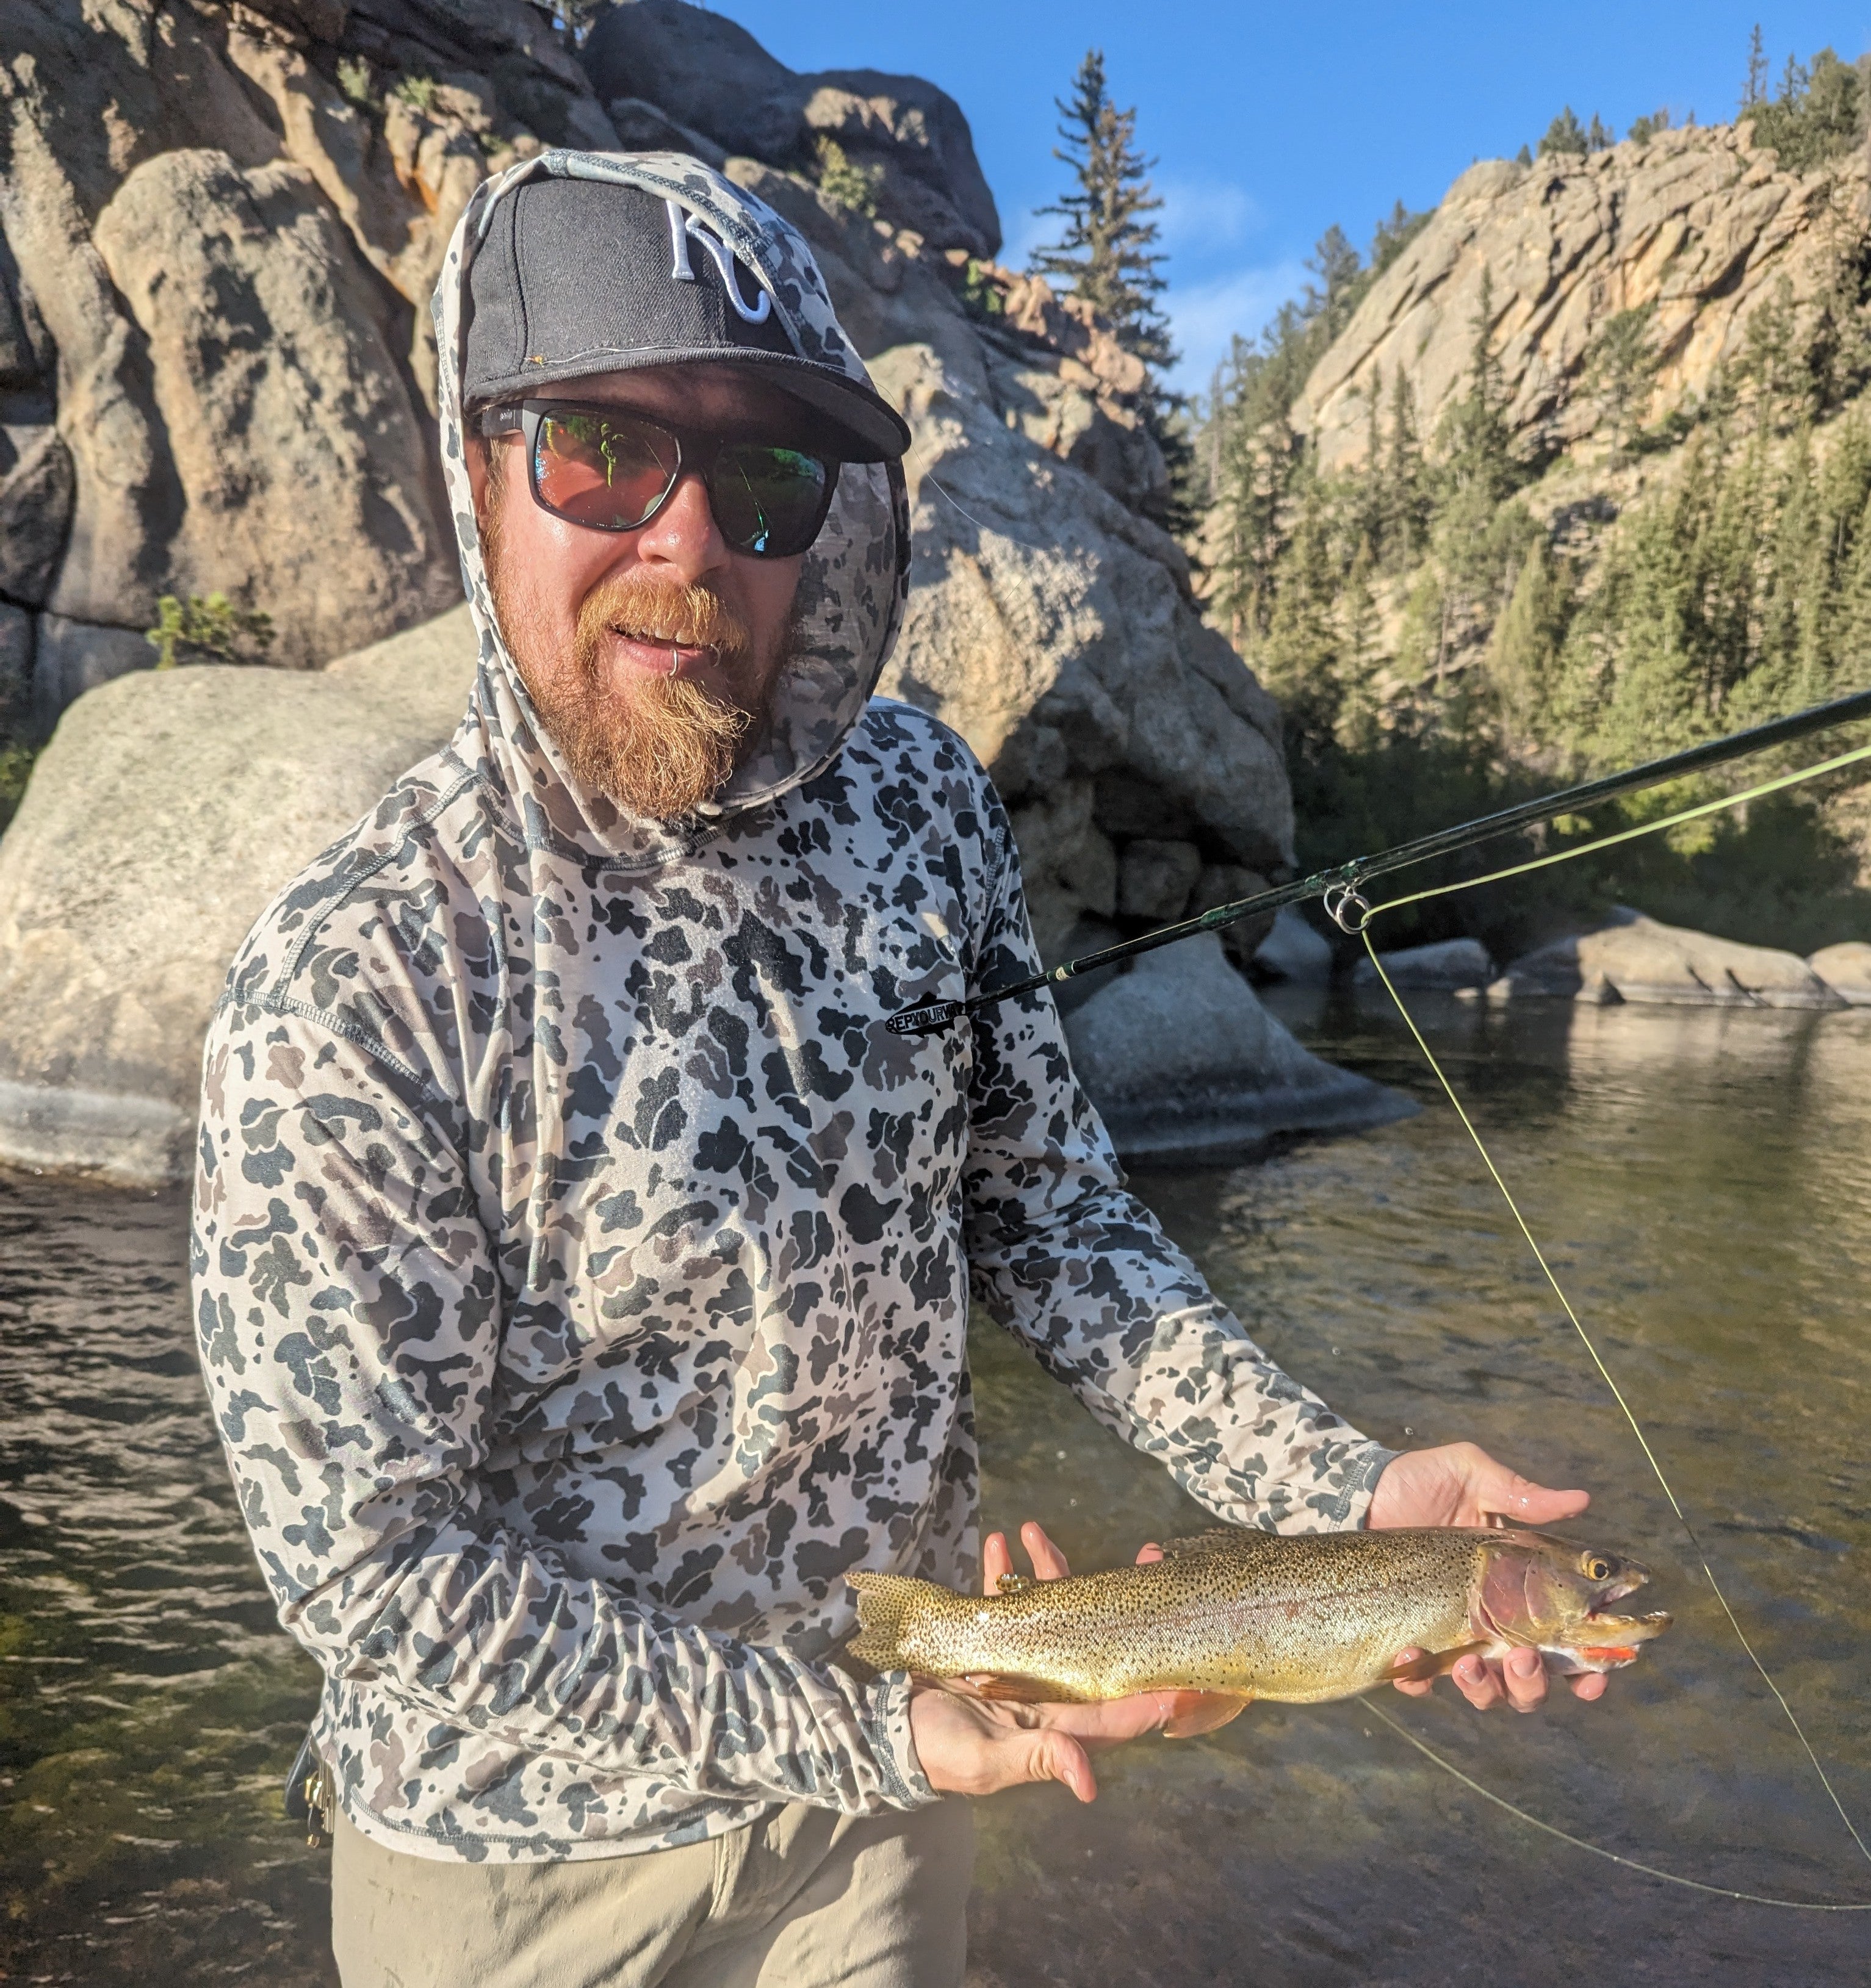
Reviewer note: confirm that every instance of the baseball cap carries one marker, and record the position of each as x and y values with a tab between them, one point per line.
582	276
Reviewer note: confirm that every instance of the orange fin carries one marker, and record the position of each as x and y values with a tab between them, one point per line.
1019	1690
1610	1654
1206	1711
1438	1663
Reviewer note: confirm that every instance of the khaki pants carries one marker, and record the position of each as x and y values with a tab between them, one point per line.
804	1900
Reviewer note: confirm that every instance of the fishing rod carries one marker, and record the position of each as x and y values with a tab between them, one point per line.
1338	885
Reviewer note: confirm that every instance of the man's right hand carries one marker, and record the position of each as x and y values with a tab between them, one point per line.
972	1746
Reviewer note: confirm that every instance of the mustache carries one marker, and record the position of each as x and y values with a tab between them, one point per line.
637	605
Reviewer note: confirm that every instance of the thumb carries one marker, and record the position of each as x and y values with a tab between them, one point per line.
1059	1757
1521	1502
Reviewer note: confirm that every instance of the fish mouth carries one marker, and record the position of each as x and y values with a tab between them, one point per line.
1630	1629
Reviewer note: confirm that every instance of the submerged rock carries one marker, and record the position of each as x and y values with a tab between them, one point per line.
113	945
1445	968
1636	959
1846	970
1184	1064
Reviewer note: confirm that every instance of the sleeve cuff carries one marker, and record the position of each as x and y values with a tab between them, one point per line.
887	1726
1363	1470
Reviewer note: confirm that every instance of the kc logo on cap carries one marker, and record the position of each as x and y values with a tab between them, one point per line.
682	225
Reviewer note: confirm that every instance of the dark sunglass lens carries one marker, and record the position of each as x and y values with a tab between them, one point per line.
766	500
600	470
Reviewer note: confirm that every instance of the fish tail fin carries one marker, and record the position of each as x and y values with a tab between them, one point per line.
884	1600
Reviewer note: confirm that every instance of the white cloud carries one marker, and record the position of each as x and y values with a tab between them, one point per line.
1204	317
1205	214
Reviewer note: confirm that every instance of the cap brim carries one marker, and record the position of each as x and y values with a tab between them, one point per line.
861	425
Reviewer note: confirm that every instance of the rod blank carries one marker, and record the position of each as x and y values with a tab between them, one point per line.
932	1018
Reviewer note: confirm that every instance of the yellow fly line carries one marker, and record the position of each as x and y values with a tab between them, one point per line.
1361	925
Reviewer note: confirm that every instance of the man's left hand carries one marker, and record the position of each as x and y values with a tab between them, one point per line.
1461	1485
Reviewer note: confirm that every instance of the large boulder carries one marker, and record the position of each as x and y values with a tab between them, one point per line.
1445	968
1294	951
1186	1065
167	811
707	73
288	431
1634	958
1846	970
218	230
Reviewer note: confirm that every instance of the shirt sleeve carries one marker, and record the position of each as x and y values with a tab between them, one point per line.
349	1311
1062	1254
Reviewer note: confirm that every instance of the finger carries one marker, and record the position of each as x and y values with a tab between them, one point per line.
1525	1503
1591	1685
1048	1562
1478	1683
1111	1721
1524	1679
1413	1687
1149	1553
995	1561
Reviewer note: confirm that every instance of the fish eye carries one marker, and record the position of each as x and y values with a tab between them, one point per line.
1597	1567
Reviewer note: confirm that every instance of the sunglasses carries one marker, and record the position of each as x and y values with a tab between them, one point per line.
612	471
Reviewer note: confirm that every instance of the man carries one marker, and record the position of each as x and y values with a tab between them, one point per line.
582	1267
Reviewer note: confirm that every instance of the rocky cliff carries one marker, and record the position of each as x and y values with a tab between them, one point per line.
1697	228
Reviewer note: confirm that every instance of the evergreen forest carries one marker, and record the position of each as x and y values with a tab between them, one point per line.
1461	620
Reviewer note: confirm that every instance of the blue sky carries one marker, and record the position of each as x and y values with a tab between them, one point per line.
1270	123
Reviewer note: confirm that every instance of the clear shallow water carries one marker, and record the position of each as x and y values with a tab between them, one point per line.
1704	1182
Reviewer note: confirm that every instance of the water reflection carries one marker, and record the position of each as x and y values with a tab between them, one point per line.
1701	1179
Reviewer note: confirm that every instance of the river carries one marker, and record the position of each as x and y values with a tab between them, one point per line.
1704	1182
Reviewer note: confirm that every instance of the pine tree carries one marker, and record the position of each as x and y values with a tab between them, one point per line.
1107	253
1754	91
1529	640
1338	267
1599	138
1405	495
1564	135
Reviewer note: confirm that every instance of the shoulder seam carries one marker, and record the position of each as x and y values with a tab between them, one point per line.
285	1004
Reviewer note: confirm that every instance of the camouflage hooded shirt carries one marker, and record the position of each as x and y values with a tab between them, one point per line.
582	1269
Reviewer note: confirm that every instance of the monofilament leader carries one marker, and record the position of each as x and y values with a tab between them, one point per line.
582	1266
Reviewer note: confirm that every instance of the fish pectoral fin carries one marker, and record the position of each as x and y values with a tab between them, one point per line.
1015	1689
1205	1712
1013	1584
1436	1663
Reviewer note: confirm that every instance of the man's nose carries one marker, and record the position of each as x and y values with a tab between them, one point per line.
683	537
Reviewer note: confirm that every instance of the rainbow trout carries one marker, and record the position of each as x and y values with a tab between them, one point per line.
1247	1615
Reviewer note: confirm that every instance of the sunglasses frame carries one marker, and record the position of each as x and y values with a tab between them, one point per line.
698	450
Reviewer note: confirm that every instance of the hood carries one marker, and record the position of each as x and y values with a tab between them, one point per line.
852	587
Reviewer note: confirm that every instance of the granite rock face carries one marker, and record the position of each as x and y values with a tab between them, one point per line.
118	918
1697	226
710	75
297	458
1186	1065
218	229
1636	959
